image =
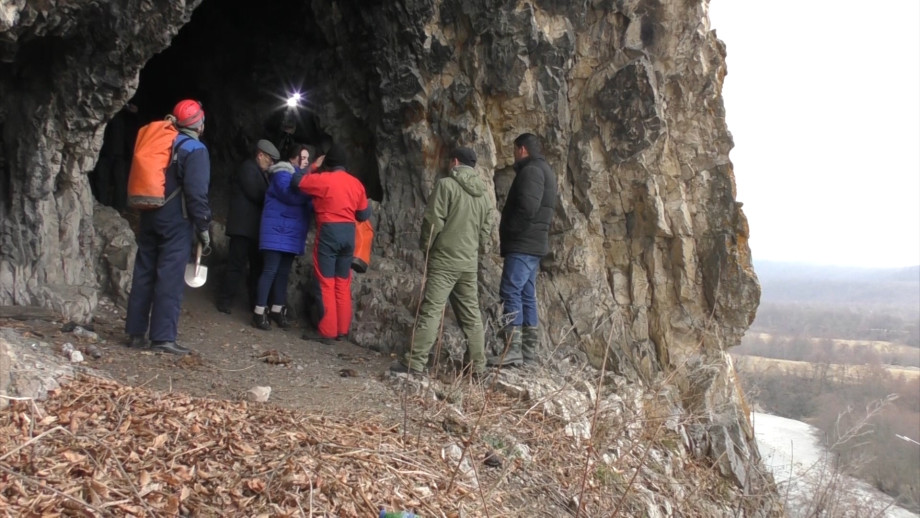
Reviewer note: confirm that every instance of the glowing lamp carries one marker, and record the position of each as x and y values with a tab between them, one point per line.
294	100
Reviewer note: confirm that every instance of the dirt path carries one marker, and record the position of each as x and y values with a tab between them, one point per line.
318	377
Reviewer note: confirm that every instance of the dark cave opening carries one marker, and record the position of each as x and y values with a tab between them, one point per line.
242	62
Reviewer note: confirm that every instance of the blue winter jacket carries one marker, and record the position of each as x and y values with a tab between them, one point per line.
192	171
286	214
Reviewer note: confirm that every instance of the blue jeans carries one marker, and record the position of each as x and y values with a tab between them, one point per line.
276	266
518	289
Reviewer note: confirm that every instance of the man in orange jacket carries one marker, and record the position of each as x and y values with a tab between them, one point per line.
339	201
165	239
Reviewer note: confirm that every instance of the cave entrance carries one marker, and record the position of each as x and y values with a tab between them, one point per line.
242	61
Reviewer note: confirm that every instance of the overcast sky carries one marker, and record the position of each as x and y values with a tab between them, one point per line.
823	101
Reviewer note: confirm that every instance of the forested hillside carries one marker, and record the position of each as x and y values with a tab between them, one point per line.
840	348
837	302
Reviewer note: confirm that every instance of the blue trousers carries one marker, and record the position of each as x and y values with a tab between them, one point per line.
276	266
163	248
518	288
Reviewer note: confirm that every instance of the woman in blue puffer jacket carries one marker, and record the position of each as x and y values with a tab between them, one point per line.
286	217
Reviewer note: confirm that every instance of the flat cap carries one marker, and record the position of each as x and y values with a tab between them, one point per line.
269	149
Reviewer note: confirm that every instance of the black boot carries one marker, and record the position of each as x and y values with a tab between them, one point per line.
261	321
138	342
170	347
280	317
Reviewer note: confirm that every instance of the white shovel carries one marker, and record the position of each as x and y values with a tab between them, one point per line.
195	274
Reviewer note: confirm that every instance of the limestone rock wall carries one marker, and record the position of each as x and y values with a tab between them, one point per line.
649	246
65	68
650	265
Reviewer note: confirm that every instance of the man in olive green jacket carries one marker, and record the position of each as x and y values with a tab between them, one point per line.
456	227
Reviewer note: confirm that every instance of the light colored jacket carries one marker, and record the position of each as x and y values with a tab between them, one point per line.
457	221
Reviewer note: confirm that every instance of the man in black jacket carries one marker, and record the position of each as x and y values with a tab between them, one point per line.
247	194
524	238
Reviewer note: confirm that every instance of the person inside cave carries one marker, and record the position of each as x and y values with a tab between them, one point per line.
286	218
339	201
247	196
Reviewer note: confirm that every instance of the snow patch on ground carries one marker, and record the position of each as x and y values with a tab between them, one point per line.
804	471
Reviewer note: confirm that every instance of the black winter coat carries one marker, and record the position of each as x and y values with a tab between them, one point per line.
528	212
247	195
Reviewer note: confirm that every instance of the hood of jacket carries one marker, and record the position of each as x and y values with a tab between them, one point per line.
281	166
468	179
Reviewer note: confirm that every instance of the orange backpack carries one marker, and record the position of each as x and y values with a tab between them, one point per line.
153	154
364	236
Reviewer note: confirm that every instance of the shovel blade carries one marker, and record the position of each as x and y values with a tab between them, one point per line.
196	275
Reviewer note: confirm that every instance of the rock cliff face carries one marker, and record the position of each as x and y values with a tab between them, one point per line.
649	267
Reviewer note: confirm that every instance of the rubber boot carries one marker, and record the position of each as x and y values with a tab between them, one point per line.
280	317
513	357
530	342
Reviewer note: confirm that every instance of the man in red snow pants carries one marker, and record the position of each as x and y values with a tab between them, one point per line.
339	200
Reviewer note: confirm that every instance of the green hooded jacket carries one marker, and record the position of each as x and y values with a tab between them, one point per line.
457	222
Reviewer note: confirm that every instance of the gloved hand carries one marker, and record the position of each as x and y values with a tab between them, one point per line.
204	238
295	181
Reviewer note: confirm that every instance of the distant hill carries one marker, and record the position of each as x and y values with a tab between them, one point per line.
835	285
840	303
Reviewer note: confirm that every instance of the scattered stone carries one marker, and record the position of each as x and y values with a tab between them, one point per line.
455	425
85	333
454	455
521	451
259	394
92	351
578	430
348	373
493	460
75	356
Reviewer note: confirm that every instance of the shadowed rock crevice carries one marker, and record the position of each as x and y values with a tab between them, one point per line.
649	248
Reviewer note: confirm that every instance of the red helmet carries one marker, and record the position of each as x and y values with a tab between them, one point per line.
189	114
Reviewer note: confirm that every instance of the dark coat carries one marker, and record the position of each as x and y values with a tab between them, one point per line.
287	213
192	172
165	241
528	212
247	195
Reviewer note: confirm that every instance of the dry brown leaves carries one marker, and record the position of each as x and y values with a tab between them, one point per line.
274	357
97	448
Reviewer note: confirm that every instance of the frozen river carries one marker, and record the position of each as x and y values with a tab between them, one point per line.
804	471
